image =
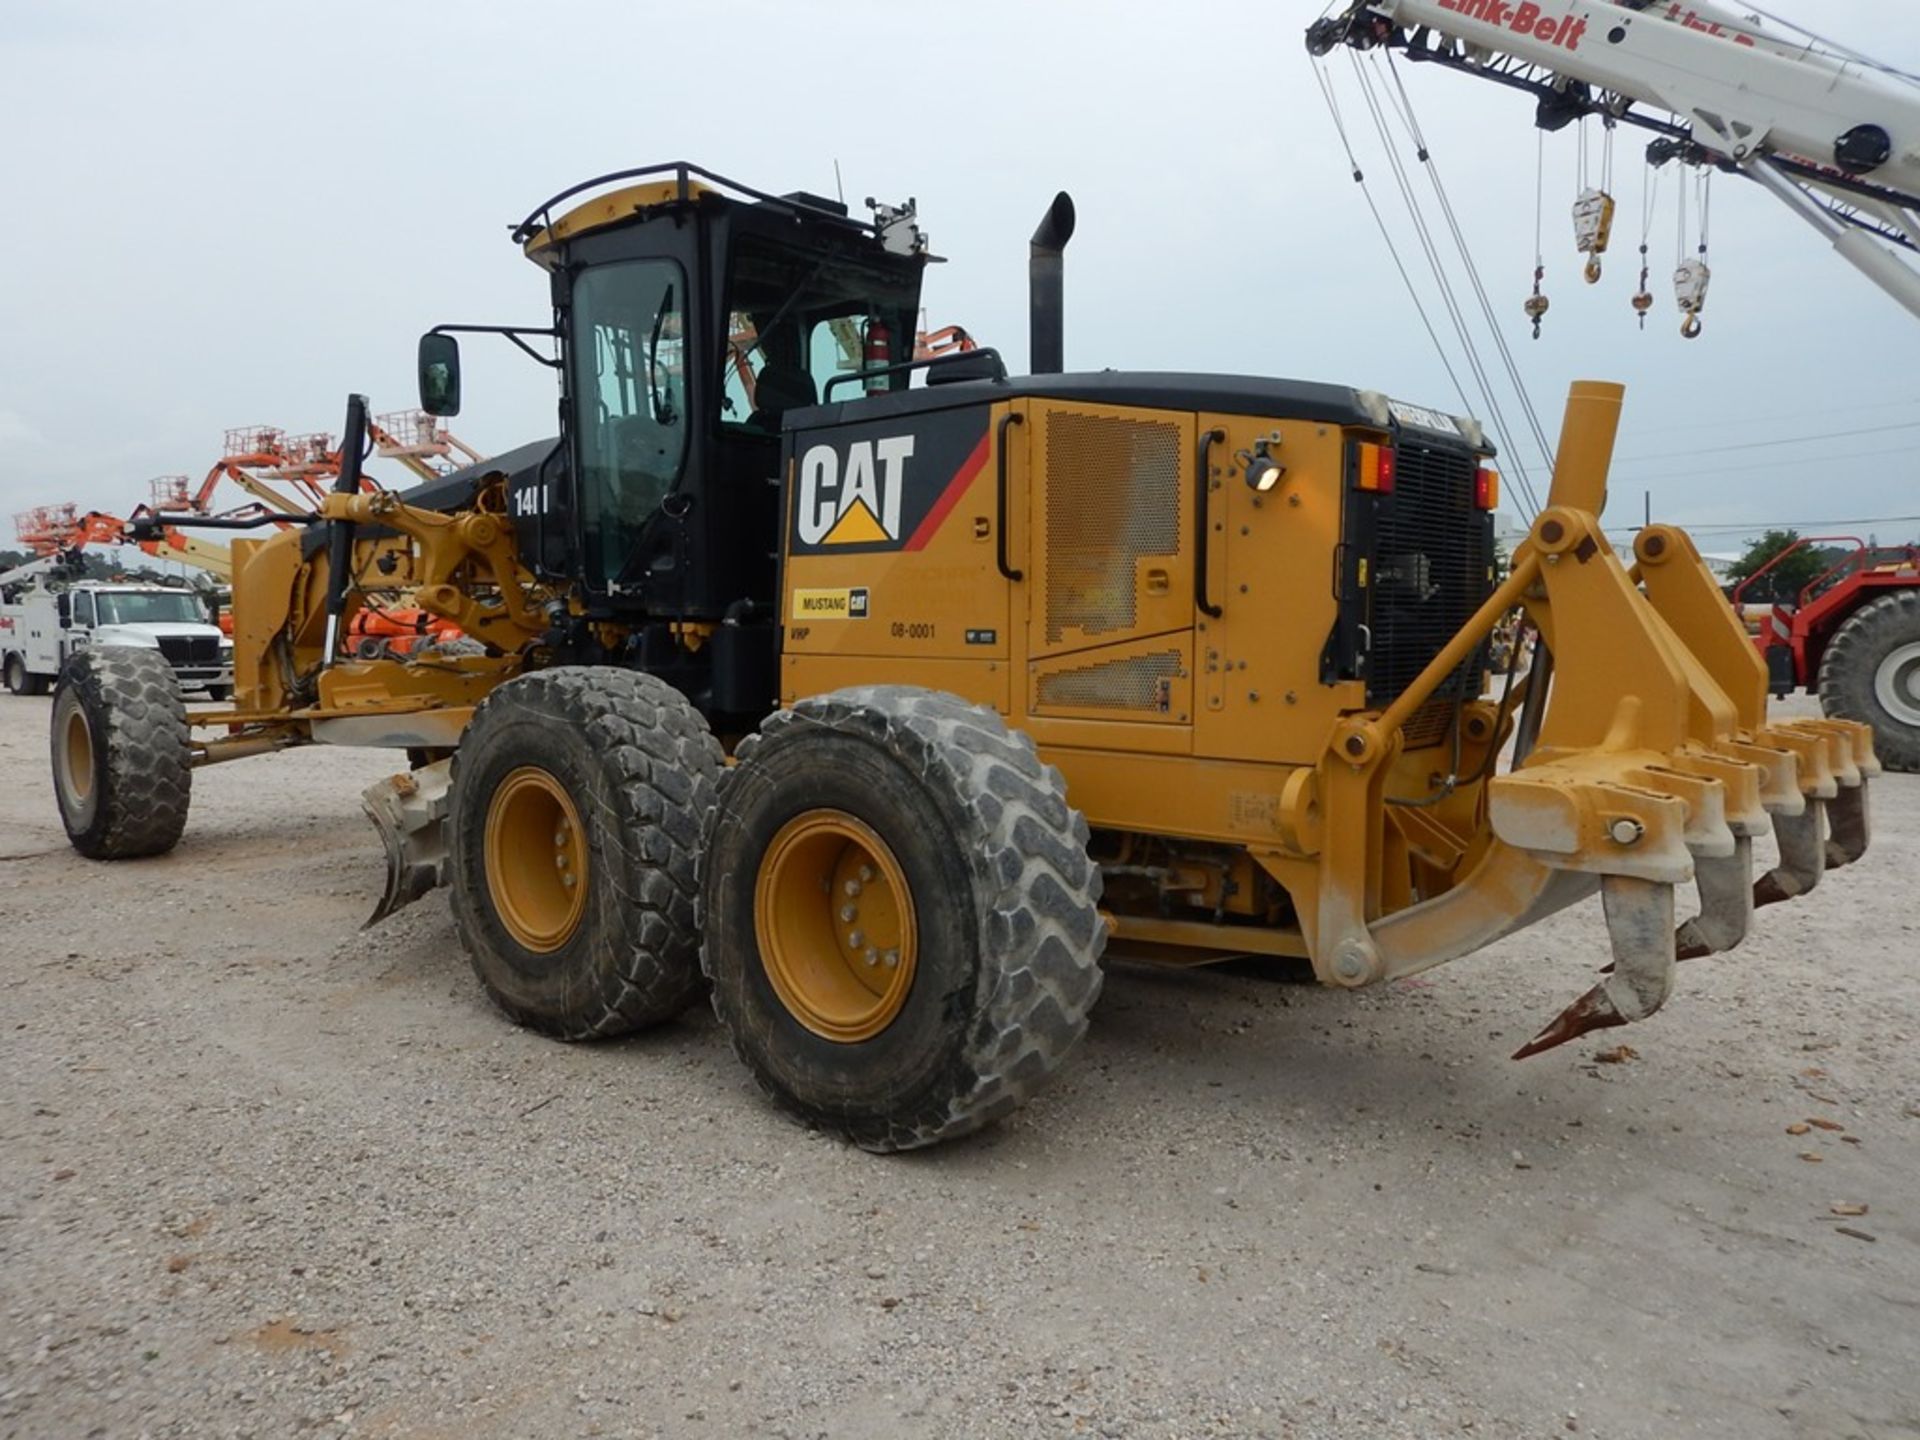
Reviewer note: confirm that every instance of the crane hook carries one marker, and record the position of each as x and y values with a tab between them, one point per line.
1537	304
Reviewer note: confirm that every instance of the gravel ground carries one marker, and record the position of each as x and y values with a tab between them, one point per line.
263	1173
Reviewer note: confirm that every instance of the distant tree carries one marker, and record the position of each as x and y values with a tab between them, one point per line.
1782	584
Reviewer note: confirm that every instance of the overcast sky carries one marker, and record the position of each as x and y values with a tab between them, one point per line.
224	215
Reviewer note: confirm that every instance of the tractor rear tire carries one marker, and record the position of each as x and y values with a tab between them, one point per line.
122	765
1871	673
579	798
901	921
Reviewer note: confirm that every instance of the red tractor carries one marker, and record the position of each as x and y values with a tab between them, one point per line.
1853	636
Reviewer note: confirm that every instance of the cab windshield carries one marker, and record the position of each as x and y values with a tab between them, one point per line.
798	318
147	607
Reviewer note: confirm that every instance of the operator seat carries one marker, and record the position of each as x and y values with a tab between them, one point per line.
778	389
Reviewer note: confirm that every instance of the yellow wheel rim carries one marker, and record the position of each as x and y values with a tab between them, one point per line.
536	860
835	924
79	740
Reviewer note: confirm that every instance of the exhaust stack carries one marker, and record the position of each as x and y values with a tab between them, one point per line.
1046	301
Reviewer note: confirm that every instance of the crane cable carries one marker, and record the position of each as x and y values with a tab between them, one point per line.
1539	208
1649	198
1456	312
1413	291
1514	377
1415	132
1845	52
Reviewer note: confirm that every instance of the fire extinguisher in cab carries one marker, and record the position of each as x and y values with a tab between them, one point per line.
877	354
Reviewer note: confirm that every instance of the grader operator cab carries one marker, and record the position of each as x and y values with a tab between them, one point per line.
1181	667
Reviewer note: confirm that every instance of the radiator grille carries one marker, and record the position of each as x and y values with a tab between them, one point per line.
1113	497
190	649
1433	557
1135	682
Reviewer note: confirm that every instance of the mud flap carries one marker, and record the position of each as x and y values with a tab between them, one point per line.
1640	925
410	813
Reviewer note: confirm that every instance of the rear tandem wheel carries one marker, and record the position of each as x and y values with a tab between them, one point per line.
20	681
901	920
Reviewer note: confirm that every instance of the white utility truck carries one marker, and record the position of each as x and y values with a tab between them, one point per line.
43	621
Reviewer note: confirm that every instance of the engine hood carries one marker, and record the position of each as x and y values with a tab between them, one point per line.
148	633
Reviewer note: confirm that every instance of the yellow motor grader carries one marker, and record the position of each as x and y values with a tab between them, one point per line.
881	710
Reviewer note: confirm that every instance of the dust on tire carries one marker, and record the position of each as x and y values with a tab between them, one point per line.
1002	992
132	800
642	768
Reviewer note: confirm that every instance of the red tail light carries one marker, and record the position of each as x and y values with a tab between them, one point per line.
1375	470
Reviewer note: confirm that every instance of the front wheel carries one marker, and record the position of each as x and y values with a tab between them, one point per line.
122	768
579	795
901	920
16	675
1871	673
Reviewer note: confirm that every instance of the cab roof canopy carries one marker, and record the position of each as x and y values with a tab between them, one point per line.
652	188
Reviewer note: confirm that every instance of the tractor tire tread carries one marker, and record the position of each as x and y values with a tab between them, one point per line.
1028	850
1848	668
669	764
142	759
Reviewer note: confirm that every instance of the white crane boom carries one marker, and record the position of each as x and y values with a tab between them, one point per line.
46	565
1833	136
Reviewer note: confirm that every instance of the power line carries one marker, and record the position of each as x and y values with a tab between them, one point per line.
1760	445
1752	527
1726	423
1748	467
1769	444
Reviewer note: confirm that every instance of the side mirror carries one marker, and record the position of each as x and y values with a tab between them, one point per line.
439	374
63	602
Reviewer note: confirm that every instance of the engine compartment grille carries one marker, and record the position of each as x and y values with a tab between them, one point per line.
1432	569
1113	498
1133	682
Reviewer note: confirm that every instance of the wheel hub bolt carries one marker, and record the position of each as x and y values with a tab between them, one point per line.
848	914
866	873
856	940
560	861
872	956
892	958
852	887
566	879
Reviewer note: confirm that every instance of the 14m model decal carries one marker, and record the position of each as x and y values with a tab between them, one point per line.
883	486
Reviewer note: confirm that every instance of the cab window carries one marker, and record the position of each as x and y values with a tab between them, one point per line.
629	388
796	319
